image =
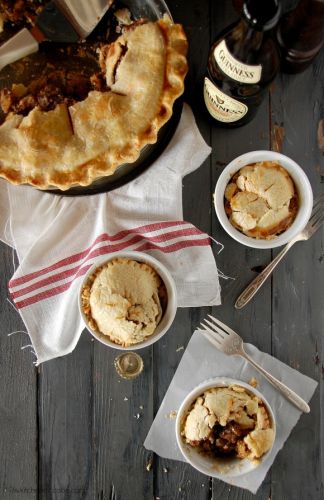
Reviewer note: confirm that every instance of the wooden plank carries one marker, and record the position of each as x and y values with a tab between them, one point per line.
65	425
18	389
177	480
298	315
123	413
237	261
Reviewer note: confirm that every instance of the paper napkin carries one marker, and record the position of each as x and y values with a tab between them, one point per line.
200	362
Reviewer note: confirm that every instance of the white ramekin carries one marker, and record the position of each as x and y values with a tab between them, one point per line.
212	466
168	315
302	184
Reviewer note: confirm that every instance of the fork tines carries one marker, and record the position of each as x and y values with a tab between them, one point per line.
210	337
317	212
216	332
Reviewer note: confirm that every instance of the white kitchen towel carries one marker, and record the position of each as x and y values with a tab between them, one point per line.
202	361
57	238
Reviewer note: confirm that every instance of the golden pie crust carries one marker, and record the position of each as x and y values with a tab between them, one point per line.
124	300
75	145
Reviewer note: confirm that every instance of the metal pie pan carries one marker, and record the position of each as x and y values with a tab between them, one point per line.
151	10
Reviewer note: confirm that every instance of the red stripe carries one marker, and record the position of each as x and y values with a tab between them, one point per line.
103	237
176	246
99	251
49	293
147	246
44	282
137	238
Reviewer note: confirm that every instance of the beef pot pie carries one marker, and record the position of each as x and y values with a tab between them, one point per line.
54	139
124	300
229	422
261	200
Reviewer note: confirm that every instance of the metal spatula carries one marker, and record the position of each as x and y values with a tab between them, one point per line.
59	21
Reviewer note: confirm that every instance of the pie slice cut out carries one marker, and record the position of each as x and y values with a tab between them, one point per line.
78	143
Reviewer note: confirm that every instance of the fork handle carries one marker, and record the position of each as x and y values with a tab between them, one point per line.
254	286
288	393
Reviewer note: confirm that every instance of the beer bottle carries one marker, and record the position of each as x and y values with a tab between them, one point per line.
242	62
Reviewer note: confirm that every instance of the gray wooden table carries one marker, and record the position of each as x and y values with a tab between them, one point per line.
69	428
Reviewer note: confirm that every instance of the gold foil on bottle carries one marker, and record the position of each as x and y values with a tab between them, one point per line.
129	365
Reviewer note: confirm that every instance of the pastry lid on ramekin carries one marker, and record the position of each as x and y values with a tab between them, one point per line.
304	191
211	466
170	310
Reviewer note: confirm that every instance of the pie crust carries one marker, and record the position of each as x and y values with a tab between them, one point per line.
75	145
229	421
124	300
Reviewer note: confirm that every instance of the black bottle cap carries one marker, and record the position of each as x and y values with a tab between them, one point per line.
262	15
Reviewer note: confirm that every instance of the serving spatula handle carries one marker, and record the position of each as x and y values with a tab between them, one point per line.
20	45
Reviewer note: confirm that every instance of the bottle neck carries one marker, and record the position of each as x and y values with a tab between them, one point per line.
252	41
262	15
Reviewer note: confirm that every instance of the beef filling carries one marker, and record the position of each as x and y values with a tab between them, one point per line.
57	87
20	10
225	439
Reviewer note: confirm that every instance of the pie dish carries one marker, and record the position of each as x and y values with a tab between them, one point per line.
261	200
229	421
127	300
225	427
302	187
76	142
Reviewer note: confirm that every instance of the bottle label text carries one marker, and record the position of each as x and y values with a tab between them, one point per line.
240	72
222	107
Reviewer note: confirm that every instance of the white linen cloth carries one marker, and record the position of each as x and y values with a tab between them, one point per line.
202	361
57	238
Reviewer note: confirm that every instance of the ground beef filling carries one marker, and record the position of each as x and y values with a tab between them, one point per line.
20	10
55	88
224	441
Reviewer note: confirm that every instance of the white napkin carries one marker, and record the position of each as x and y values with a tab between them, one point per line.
200	362
57	238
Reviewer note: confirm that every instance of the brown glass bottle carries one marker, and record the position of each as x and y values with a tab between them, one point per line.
300	35
242	62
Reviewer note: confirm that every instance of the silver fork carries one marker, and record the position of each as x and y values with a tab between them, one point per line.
229	342
314	223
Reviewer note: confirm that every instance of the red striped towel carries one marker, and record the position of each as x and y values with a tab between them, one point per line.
58	238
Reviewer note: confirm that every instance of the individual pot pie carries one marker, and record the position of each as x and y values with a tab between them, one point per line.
261	200
51	138
229	422
125	300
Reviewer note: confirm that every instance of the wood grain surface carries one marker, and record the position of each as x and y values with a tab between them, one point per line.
73	429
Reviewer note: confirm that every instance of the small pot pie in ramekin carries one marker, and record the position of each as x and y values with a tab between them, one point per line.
128	300
225	427
263	199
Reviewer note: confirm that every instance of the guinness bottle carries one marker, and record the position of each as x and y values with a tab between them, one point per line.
242	63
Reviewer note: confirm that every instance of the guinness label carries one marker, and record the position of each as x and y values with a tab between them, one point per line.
238	71
222	107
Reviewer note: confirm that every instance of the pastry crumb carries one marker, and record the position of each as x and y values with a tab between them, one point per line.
253	382
123	16
172	415
149	465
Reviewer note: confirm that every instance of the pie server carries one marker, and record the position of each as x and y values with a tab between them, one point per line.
59	21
